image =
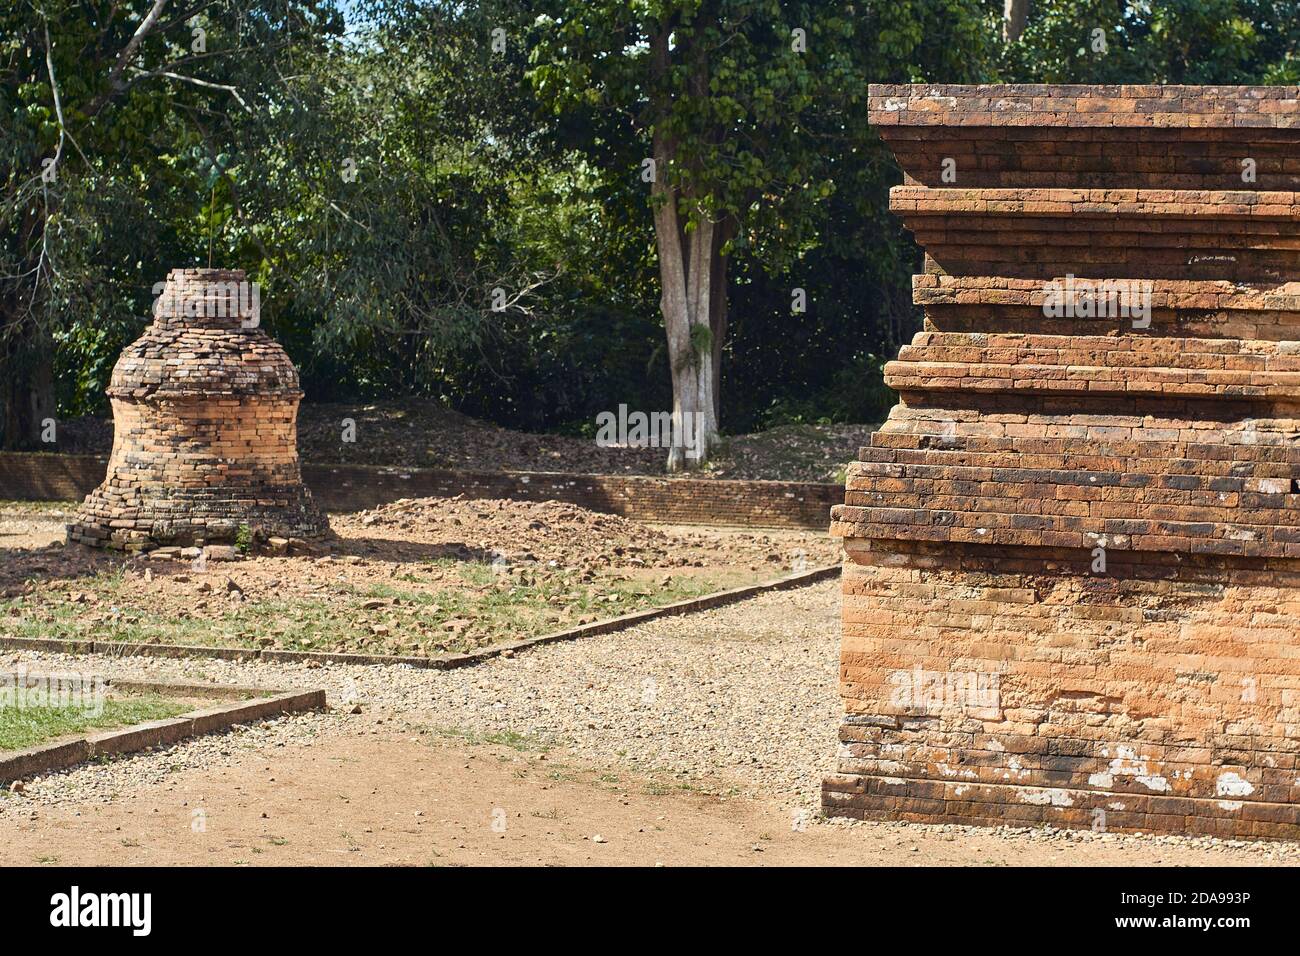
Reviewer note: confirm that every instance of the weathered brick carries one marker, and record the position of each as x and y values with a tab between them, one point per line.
205	412
1156	692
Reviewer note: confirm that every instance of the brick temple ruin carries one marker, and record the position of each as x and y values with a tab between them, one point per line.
205	428
1072	576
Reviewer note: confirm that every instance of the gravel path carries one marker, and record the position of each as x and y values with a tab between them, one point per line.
737	700
744	695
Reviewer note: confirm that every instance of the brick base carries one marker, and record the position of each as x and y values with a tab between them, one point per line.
1074	548
995	686
865	797
205	437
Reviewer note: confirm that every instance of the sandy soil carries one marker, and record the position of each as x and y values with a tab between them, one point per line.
376	797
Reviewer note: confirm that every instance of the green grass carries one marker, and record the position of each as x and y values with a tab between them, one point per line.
506	738
22	727
495	606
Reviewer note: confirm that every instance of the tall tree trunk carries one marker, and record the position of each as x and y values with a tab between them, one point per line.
688	263
26	383
1015	14
693	277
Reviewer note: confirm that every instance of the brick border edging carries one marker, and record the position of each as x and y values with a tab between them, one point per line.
443	662
47	758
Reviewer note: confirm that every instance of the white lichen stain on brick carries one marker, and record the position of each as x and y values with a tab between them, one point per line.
1116	805
1129	764
1229	804
1013	766
1231	784
964	772
1043	798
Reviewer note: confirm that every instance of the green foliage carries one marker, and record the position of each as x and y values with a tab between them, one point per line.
136	179
481	168
1188	42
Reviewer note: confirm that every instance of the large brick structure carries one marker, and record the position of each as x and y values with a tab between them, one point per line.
205	419
1072	583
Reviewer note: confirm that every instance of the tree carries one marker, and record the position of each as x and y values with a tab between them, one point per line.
1126	41
711	101
1015	13
107	99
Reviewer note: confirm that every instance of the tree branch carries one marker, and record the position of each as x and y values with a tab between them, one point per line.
196	81
123	58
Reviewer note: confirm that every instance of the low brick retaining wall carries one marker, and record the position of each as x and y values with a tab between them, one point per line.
770	504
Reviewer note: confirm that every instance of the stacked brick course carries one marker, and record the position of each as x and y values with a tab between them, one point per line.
1072	587
205	410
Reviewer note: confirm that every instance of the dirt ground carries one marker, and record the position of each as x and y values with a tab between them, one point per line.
422	576
377	797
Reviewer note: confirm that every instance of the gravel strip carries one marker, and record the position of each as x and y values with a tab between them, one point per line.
741	699
745	694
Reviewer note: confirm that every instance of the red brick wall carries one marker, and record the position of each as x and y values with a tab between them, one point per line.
773	504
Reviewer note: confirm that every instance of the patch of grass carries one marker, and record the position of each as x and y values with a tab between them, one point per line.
22	727
479	607
505	738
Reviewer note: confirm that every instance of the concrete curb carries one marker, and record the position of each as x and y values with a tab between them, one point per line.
442	661
47	758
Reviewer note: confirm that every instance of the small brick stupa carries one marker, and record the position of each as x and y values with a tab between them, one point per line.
205	442
1072	593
